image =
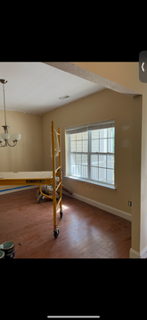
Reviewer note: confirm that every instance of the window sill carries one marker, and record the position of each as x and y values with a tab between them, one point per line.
92	182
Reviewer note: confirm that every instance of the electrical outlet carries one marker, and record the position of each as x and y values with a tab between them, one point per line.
129	203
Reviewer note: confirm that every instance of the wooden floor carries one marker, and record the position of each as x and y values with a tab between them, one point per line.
84	231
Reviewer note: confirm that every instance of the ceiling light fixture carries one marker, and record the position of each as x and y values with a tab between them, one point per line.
5	136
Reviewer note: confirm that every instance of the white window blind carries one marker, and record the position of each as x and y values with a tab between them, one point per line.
90	126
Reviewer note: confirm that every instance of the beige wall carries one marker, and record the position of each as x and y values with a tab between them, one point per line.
136	171
143	204
125	74
98	107
27	155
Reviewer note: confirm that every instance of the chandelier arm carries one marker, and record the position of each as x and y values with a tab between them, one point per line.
2	145
14	144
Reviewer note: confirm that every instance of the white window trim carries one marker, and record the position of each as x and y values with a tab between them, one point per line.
105	185
87	127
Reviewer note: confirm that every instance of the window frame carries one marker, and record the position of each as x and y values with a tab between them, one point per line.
89	154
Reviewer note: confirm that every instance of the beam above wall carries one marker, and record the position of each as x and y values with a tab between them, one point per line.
90	76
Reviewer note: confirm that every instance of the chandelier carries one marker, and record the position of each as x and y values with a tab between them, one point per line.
6	135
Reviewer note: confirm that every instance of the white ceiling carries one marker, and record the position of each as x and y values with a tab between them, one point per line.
35	87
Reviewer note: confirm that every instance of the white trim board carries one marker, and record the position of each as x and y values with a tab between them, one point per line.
138	255
16	189
102	206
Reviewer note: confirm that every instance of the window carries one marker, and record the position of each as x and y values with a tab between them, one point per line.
91	152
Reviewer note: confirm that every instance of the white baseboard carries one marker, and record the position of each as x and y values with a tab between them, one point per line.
139	255
144	253
134	254
102	206
16	189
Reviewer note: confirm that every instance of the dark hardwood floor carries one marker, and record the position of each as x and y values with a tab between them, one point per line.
84	231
